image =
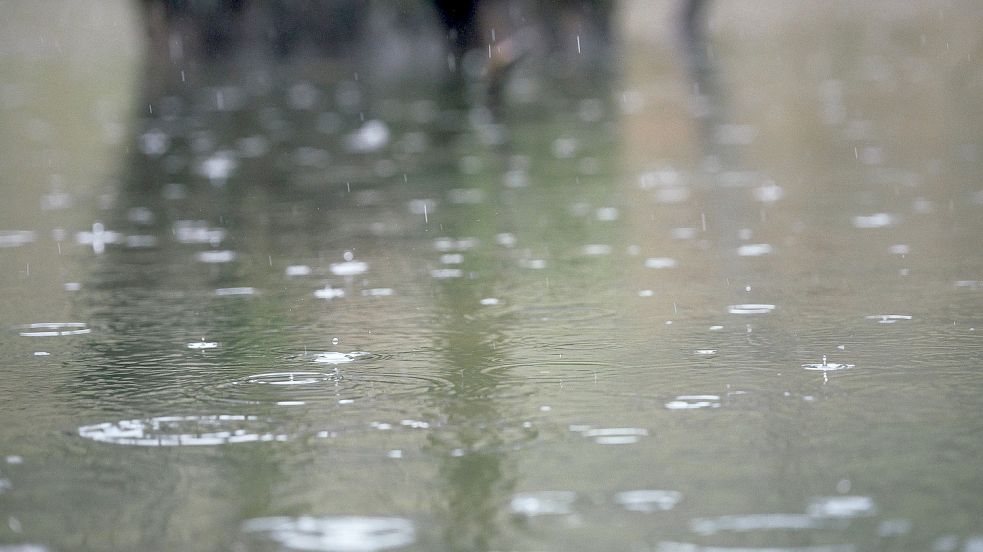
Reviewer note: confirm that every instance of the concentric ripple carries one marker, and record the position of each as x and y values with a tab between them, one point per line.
177	431
335	534
287	388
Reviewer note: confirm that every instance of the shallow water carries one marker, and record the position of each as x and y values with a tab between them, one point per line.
323	313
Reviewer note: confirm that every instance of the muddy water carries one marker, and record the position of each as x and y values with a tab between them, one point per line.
279	307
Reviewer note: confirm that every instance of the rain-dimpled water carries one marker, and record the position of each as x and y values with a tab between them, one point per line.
625	297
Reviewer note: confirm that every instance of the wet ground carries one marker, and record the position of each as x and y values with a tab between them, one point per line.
295	307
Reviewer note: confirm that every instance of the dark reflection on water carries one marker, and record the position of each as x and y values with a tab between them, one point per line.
606	289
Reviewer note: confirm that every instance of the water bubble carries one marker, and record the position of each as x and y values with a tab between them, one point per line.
888	318
827	366
335	534
693	402
543	503
660	263
54	329
41	353
451	258
489	301
172	431
646	293
648	501
705	352
750	308
842	506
